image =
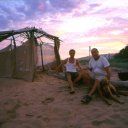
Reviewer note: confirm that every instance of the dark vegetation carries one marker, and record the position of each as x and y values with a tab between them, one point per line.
120	59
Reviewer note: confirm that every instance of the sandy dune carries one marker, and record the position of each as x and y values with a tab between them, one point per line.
46	103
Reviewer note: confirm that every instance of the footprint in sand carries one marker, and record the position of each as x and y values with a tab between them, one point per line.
47	100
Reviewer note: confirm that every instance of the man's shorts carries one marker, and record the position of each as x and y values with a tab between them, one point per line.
97	77
74	75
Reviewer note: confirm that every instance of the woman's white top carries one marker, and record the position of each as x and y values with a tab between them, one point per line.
70	67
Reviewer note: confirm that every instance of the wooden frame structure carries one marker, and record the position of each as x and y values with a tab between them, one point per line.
31	34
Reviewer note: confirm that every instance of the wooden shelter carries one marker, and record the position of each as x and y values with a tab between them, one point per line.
20	61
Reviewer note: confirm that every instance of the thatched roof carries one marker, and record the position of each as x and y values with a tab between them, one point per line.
6	34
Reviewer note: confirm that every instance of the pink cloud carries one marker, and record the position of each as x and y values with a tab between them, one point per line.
79	23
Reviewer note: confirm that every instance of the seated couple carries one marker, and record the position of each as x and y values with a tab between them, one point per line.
99	69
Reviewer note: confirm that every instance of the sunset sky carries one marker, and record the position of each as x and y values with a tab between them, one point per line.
78	23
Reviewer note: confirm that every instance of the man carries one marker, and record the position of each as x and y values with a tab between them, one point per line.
100	68
71	65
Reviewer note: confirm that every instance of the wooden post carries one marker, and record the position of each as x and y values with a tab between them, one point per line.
14	42
56	50
32	43
42	57
89	51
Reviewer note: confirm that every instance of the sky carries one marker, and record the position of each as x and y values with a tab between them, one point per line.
102	24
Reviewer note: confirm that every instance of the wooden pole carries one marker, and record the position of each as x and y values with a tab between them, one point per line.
14	42
32	43
56	50
42	57
89	51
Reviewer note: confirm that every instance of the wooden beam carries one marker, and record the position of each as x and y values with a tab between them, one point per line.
14	42
32	54
56	50
42	60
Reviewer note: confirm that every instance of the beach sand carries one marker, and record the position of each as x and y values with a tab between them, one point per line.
46	103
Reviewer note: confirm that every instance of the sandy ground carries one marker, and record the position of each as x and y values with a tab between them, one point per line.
46	103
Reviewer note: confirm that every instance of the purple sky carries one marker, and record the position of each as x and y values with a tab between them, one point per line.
79	23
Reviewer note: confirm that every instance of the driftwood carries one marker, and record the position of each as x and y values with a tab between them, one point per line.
60	75
120	84
117	83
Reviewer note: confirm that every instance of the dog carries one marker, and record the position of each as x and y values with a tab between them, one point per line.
107	91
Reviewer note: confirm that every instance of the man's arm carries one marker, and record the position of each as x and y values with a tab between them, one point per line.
107	67
108	71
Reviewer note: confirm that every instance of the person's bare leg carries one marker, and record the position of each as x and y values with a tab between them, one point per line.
78	78
70	83
87	98
94	87
86	77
